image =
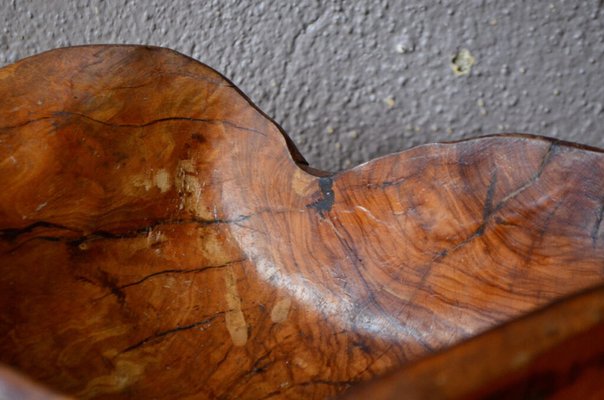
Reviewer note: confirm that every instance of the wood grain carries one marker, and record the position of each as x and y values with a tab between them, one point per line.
554	353
160	237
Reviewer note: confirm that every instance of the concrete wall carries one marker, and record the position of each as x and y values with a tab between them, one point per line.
354	80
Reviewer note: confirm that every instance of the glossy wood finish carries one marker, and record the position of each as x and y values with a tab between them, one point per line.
159	237
14	386
555	353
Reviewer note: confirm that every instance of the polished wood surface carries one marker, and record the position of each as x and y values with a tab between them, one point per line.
555	353
160	237
15	386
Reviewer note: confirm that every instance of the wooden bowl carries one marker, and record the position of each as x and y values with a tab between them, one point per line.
160	237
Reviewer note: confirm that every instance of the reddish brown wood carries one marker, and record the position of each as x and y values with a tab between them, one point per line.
14	386
160	238
555	353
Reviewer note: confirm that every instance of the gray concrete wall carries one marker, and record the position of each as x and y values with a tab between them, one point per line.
354	80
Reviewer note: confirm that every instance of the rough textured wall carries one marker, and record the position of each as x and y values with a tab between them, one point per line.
350	81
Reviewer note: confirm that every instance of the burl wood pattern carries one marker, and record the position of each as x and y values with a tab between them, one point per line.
161	238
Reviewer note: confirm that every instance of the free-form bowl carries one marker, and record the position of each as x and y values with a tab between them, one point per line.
160	237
